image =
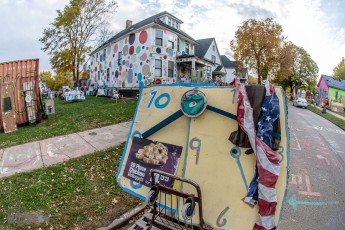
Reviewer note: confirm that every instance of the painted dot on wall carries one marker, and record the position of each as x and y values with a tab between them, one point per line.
116	74
124	75
130	76
130	65
123	62
133	58
131	39
115	66
113	55
158	50
141	63
171	52
143	37
147	61
131	50
127	63
143	47
151	49
125	50
96	68
110	64
140	77
101	57
126	41
116	47
146	69
143	57
100	67
108	50
165	56
120	68
138	49
141	84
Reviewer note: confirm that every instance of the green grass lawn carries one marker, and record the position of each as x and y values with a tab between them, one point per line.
72	117
330	117
78	194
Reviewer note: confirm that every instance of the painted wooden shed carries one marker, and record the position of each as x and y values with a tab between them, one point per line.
19	93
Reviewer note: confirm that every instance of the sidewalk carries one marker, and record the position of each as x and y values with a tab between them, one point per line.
332	113
54	150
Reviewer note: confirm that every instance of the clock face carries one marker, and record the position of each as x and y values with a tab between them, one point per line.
207	157
28	98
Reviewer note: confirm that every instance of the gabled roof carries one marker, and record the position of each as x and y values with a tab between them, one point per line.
219	68
147	21
228	63
331	82
202	47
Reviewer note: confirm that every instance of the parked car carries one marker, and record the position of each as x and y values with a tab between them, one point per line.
300	102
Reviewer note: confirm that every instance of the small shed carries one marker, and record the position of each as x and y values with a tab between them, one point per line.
19	93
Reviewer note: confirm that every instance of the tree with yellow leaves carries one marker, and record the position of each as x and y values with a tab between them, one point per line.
256	46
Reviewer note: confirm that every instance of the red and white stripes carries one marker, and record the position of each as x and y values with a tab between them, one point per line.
266	159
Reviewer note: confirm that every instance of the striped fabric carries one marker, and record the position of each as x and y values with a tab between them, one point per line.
266	159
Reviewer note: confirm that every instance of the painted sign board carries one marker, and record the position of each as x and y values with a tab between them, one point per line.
7	112
206	156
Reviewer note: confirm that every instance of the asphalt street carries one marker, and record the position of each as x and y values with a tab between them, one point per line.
316	190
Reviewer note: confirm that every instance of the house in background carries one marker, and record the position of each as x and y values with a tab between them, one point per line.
152	51
207	50
331	89
232	71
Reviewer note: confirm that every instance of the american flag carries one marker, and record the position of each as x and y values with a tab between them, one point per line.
266	159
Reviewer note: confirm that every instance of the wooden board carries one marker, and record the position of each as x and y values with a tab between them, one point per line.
7	104
30	102
206	157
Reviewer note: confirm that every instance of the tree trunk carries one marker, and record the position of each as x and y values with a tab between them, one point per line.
259	73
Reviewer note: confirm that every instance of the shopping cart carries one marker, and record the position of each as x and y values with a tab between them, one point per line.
165	213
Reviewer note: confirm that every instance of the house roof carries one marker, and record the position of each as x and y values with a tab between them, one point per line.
227	62
147	21
202	47
331	82
219	68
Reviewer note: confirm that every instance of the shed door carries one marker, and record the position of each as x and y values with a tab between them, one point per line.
7	106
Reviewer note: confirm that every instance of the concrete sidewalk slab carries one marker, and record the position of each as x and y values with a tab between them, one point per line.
103	138
55	150
58	149
21	158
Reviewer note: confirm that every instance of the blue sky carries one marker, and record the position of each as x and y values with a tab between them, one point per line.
316	25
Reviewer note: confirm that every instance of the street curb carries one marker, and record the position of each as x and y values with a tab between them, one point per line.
328	119
125	218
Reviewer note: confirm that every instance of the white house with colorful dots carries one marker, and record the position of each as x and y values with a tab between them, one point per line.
153	51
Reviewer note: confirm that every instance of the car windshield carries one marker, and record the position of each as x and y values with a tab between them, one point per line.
301	99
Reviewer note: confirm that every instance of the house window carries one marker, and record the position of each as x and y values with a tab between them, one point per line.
208	71
171	44
170	69
213	59
104	53
187	48
99	75
158	68
159	37
169	21
173	23
214	48
119	58
97	56
336	96
178	45
108	74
